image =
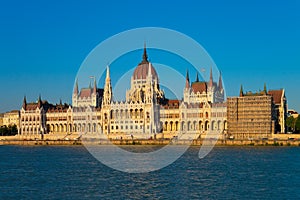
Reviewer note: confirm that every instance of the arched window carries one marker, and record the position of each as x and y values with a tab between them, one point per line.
206	114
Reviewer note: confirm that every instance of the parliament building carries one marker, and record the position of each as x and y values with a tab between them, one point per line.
145	113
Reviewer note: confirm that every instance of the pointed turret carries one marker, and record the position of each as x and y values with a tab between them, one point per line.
107	73
150	90
76	88
149	70
60	102
265	88
210	83
145	56
95	86
107	97
187	80
39	104
241	91
24	103
197	77
220	82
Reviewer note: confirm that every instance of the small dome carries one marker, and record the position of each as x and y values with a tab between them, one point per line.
141	71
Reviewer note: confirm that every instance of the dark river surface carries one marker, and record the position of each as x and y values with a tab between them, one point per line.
70	172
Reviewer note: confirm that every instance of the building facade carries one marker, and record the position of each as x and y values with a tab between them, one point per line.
59	119
280	103
256	115
139	115
147	113
33	119
11	118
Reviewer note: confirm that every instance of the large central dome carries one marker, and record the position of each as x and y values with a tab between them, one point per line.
141	71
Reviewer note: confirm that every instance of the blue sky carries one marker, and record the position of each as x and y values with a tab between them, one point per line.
43	43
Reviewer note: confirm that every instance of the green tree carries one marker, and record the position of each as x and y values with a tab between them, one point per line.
297	124
14	129
290	123
10	130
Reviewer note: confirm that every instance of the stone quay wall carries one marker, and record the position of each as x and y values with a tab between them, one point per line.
198	142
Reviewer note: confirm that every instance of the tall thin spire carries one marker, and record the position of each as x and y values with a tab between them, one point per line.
24	103
107	97
107	72
95	86
241	91
187	80
197	77
76	87
210	83
265	88
39	104
220	82
149	70
145	56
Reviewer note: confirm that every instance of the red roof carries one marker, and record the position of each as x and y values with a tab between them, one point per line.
195	105
85	92
31	106
172	103
276	94
141	71
199	87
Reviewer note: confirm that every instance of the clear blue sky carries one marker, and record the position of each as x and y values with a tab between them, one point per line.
43	43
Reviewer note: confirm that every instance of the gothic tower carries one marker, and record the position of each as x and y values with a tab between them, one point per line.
187	88
107	96
211	88
75	95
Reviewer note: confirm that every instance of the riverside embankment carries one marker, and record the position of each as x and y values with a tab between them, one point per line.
198	142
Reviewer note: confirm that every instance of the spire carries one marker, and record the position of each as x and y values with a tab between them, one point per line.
187	80
24	103
241	91
265	88
107	96
145	56
149	70
210	83
76	87
220	82
39	104
107	73
197	77
60	102
95	86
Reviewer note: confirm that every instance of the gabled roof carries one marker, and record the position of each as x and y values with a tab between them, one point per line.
276	94
59	108
195	105
199	87
34	106
85	92
172	103
31	106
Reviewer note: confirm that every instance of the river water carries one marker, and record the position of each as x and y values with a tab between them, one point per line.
70	172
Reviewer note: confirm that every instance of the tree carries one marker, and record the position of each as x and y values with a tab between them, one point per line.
297	124
13	129
10	130
290	123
